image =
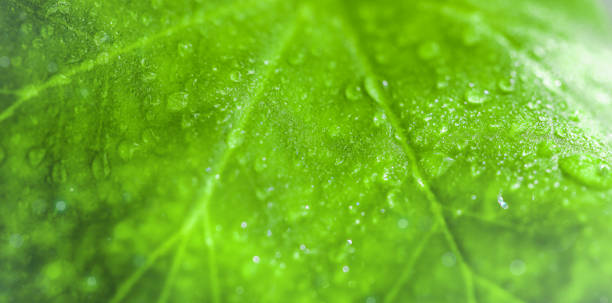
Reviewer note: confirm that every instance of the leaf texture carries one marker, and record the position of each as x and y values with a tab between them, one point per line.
296	151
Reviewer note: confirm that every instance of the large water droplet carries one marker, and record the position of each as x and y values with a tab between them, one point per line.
36	155
587	170
506	85
517	267
353	92
429	50
371	86
178	101
476	97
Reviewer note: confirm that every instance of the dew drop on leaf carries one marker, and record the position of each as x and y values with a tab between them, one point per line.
184	49
429	50
517	267
36	155
475	97
506	85
60	206
100	38
435	164
545	149
236	76
5	61
91	281
501	202
371	88
587	170
235	138
379	118
126	150
353	91
16	240
449	259
470	36
178	101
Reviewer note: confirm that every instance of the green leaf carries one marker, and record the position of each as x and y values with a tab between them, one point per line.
296	151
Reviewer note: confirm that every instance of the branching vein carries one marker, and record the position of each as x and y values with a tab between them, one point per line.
379	96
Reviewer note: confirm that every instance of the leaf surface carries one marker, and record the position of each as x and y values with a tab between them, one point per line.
294	151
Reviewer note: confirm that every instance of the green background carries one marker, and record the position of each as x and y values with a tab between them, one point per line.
305	151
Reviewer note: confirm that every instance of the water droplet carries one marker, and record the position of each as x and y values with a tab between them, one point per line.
429	50
380	118
235	138
91	281
243	225
184	49
517	267
587	170
442	81
545	149
435	164
178	101
126	150
236	76
475	97
402	223
100	167
449	259
345	268
470	36
16	240
60	206
52	67
371	86
501	202
100	38
36	155
5	62
256	259
353	92
561	132
506	85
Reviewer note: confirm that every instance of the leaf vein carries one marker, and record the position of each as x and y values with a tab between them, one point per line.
380	98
